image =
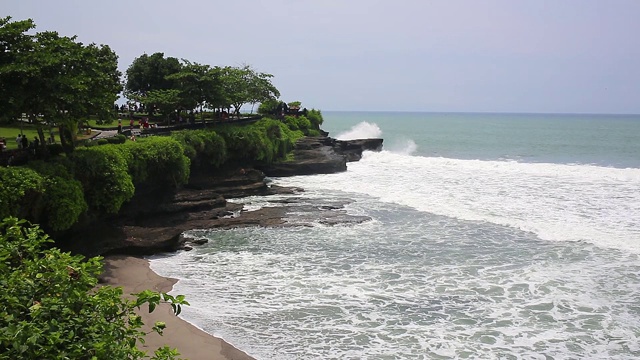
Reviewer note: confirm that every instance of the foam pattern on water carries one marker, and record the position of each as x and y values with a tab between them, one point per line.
558	202
409	285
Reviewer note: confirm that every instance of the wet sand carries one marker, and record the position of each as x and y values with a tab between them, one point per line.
134	275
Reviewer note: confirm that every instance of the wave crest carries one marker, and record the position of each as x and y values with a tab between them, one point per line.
363	130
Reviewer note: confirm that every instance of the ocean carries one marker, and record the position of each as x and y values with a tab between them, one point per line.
492	236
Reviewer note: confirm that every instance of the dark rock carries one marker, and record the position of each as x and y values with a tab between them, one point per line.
322	155
353	149
199	241
154	219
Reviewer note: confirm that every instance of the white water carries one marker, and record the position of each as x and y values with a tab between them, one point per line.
555	201
462	259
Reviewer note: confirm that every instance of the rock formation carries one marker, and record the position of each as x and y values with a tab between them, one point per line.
154	220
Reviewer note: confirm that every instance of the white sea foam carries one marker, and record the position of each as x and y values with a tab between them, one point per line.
561	202
378	291
442	271
363	130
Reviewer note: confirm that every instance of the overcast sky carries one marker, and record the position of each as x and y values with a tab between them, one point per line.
574	56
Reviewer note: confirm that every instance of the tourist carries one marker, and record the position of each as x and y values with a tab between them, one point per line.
19	141
25	142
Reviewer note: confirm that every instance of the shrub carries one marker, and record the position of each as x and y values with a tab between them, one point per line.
103	173
102	141
315	116
63	200
21	192
157	160
55	149
118	139
203	146
52	308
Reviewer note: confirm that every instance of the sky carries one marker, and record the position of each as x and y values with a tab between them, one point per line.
532	56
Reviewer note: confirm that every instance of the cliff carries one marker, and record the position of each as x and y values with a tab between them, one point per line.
154	220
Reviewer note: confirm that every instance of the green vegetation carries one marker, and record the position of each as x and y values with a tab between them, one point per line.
53	79
51	306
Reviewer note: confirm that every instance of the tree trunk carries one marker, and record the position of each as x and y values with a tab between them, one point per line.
43	151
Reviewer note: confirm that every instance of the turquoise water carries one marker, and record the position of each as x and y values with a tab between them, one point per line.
608	140
492	237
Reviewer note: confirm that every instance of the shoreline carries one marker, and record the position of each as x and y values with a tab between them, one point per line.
134	275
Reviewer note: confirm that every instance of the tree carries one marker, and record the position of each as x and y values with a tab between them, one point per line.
166	101
52	307
56	80
14	41
198	84
261	89
151	72
243	85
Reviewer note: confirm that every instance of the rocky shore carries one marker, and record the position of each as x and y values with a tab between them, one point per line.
154	220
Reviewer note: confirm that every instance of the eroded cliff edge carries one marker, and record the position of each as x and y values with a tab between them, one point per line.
154	220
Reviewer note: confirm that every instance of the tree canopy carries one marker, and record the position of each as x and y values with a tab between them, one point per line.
54	79
168	83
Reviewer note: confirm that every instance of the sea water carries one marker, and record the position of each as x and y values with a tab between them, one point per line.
492	236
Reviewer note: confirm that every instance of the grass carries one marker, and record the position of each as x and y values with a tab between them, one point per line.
11	131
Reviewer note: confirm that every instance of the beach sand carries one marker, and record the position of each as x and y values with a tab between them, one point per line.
134	275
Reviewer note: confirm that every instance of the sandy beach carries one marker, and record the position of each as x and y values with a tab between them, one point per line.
134	275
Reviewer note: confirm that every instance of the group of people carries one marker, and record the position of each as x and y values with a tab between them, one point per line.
24	143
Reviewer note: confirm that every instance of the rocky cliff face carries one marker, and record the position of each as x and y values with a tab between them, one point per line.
322	155
153	221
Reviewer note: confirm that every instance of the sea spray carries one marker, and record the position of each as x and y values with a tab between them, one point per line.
363	130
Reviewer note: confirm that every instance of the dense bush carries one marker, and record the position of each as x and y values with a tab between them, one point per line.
301	123
103	173
246	143
63	199
315	117
281	136
51	306
156	161
202	146
55	149
266	140
102	141
118	139
21	192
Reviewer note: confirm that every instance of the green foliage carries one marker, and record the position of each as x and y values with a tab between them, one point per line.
266	140
150	72
55	149
63	200
21	192
51	306
315	116
102	141
103	173
118	139
299	122
268	107
156	161
294	104
56	77
203	146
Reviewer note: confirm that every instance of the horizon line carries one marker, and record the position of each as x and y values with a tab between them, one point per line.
486	112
